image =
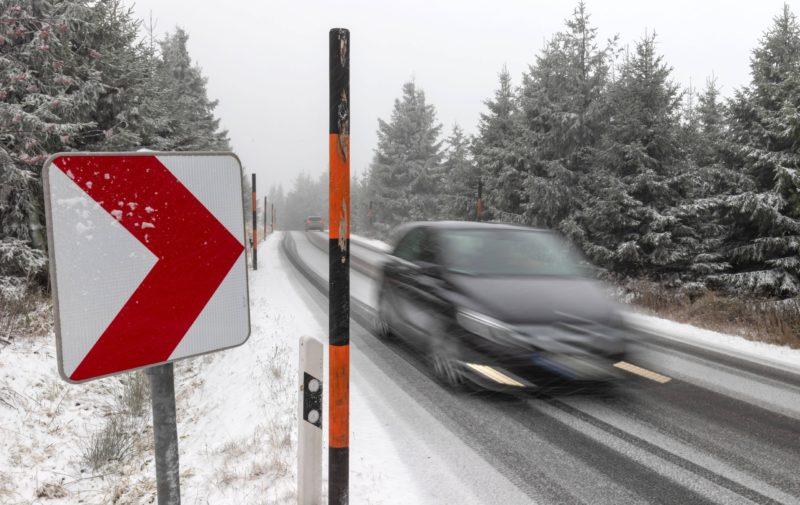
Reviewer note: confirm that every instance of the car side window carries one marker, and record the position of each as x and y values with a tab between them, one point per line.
410	246
428	252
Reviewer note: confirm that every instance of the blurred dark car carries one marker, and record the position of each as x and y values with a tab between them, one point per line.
314	223
499	306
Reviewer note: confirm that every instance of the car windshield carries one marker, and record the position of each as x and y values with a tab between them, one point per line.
510	252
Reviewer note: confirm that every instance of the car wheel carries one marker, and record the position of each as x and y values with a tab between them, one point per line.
381	324
446	368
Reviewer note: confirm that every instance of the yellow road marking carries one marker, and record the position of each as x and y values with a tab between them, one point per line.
643	372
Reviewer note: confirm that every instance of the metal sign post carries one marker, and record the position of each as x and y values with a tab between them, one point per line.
165	434
339	267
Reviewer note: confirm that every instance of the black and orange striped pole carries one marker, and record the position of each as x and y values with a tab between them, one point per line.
255	227
339	273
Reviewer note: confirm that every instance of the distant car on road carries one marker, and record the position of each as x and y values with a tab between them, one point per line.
314	223
498	306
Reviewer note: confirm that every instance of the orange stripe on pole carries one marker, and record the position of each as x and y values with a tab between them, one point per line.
339	203
338	417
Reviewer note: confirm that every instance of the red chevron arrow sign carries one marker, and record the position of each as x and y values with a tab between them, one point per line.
147	258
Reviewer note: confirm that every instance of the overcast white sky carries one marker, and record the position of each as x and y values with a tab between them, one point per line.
266	61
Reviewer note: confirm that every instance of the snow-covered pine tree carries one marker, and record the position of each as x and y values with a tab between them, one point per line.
125	67
182	114
361	218
459	179
562	117
497	161
711	122
625	223
74	76
402	176
764	138
706	179
50	84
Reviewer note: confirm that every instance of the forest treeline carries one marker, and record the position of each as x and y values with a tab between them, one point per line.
595	139
84	75
679	186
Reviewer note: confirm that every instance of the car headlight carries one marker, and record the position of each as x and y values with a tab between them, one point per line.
489	328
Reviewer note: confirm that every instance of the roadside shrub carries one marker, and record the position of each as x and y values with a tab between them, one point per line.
111	444
134	397
765	320
118	438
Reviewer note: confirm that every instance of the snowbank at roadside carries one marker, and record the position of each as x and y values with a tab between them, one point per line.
370	243
779	356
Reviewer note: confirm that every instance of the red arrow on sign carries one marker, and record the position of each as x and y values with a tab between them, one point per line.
195	253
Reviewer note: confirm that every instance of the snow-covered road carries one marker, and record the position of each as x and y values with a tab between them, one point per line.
724	430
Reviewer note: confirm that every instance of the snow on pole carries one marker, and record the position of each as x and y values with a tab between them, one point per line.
273	217
339	267
255	227
309	417
265	217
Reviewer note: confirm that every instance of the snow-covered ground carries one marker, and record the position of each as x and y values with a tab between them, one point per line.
236	419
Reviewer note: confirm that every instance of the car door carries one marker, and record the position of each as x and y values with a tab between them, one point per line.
398	278
425	306
417	282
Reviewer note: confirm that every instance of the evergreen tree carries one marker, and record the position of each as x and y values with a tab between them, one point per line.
75	77
184	114
711	122
562	116
459	179
763	137
361	214
706	180
53	91
627	225
402	176
498	163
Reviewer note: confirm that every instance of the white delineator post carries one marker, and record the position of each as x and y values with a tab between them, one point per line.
309	416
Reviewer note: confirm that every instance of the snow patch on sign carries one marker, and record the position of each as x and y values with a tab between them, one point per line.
113	267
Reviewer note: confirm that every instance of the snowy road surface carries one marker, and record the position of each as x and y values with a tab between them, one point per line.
723	430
